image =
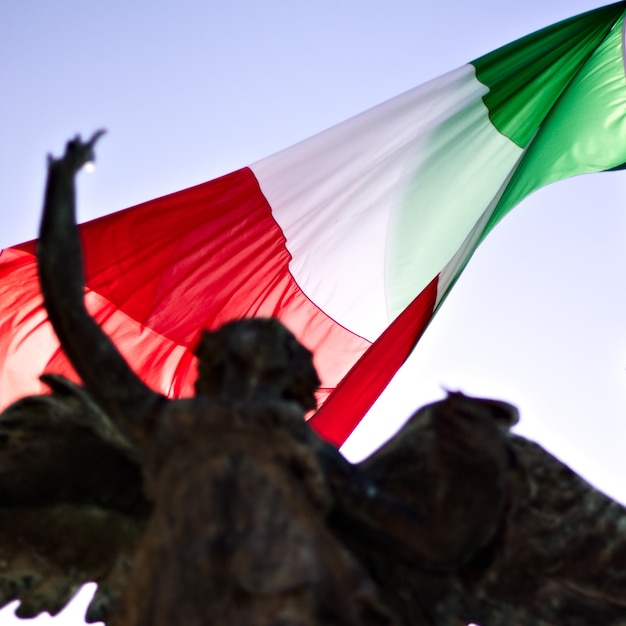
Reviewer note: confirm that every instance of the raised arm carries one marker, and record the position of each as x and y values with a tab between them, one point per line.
103	370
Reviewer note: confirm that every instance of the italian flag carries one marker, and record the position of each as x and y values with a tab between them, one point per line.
353	237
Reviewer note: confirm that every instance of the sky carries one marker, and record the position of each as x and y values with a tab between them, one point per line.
191	90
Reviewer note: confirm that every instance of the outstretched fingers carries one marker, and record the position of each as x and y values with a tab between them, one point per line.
77	153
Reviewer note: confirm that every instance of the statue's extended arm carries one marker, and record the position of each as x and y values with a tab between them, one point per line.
103	370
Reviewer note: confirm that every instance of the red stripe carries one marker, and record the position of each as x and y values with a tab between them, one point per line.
159	272
356	393
163	270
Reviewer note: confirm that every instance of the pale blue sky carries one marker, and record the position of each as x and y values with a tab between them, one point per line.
190	90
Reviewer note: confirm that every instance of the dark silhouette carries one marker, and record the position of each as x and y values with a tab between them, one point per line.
226	508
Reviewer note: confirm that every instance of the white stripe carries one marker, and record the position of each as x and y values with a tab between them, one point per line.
462	166
455	265
379	204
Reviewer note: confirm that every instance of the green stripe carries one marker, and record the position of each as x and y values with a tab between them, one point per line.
527	77
584	132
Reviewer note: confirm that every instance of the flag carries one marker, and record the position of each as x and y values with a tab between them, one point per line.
352	238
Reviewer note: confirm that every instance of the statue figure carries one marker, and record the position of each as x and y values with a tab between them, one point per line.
225	508
236	532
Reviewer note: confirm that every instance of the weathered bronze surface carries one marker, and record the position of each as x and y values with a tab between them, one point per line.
226	508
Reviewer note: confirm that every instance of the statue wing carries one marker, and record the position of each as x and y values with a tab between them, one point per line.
71	503
449	464
527	541
560	556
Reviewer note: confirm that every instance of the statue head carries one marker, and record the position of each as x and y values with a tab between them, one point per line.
255	359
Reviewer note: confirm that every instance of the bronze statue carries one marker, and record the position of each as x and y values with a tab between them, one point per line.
530	543
225	508
236	531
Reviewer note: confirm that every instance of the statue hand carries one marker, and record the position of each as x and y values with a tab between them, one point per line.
77	153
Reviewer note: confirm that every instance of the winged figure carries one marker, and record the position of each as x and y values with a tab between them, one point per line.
225	508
